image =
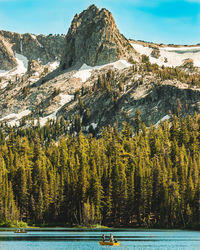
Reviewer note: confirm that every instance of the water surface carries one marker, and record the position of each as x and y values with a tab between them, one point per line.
62	239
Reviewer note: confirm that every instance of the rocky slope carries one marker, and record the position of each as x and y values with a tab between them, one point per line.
42	48
106	89
7	57
94	39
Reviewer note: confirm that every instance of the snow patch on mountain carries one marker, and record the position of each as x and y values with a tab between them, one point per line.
53	65
94	125
22	64
14	118
121	64
45	119
65	99
21	68
170	56
185	49
166	117
85	72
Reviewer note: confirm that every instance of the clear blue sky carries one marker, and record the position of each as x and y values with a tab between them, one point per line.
164	21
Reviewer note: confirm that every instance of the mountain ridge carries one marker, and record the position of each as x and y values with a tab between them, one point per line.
42	48
98	95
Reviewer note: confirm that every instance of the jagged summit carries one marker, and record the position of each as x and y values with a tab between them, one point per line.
94	39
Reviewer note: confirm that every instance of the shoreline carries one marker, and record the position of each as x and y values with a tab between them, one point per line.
103	228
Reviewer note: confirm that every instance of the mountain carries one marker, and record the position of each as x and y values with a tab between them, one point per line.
94	39
43	48
169	55
102	79
7	57
107	136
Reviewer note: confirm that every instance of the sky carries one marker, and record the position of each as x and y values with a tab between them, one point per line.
161	21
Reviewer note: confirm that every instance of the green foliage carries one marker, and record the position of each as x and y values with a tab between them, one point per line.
131	60
55	92
191	77
150	179
12	223
145	59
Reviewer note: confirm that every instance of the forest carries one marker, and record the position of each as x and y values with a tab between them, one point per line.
138	177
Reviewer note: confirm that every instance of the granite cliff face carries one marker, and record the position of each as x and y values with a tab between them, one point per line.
94	39
42	48
7	57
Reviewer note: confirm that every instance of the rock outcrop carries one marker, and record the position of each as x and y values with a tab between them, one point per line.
33	66
42	48
94	39
155	53
7	58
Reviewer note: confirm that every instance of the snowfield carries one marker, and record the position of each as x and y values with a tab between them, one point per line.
85	71
53	65
22	64
167	117
185	49
65	99
13	118
21	68
175	56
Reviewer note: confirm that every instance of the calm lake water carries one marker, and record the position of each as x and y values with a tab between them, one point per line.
60	239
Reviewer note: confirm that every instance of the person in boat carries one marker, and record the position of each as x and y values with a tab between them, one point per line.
103	237
111	238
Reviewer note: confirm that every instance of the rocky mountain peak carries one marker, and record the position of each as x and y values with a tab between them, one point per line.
94	39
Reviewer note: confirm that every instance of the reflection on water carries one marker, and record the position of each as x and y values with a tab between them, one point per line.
77	239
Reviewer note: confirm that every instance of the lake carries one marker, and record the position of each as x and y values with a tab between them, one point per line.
73	239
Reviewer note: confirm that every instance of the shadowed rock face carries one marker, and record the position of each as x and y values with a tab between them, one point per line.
7	58
94	39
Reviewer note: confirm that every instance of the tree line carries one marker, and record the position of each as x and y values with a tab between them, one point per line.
145	177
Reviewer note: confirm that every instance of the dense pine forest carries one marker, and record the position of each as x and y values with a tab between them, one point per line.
148	177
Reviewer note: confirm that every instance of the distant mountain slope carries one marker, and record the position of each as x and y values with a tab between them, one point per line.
110	80
7	57
168	55
42	48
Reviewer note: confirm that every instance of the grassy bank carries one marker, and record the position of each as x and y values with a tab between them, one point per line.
13	224
21	224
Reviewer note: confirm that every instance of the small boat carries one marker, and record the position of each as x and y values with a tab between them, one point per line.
107	243
20	231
